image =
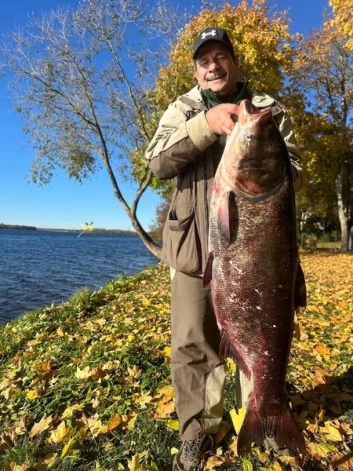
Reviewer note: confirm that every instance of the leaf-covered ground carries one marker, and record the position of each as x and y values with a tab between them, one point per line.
86	385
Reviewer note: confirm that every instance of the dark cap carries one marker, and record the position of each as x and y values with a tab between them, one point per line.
212	34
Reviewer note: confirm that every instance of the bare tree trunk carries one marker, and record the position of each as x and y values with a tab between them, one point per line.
342	214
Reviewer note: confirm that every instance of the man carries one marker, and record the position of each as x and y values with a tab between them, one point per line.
188	145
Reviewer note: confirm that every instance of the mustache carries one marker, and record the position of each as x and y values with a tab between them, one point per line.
215	76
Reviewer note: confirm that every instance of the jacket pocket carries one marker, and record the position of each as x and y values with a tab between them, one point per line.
180	241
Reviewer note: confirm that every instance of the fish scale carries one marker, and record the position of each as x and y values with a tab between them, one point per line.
254	271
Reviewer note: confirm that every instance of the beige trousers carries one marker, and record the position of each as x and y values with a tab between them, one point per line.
198	375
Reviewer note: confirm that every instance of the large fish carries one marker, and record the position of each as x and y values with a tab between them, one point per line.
253	267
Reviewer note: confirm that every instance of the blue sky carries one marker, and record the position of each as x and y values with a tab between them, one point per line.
65	203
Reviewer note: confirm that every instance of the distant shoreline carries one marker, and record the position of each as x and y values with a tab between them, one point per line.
75	231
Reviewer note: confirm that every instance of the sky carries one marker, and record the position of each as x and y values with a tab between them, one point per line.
65	203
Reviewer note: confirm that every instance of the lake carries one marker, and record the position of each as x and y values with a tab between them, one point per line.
38	268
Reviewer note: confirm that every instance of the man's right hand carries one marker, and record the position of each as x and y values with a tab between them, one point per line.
220	119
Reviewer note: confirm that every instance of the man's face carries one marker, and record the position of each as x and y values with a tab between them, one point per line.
216	68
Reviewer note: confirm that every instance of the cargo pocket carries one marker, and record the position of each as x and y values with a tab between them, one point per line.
180	241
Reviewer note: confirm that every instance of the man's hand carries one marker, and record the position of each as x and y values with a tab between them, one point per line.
220	118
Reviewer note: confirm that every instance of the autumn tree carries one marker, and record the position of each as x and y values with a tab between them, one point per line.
81	80
262	42
343	19
323	73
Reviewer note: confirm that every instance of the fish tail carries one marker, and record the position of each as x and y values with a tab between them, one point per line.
282	428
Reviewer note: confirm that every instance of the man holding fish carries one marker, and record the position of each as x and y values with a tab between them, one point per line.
209	242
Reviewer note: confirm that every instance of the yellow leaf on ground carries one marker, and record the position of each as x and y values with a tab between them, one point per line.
164	409
213	463
114	422
33	394
67	448
129	421
69	411
83	374
167	352
135	465
331	432
166	391
60	433
46	463
247	465
322	349
237	418
276	466
41	426
320	450
173	424
174	451
10	392
60	331
96	427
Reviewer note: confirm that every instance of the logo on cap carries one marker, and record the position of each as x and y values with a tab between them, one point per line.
213	32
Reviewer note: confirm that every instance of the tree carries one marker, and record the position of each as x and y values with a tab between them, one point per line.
323	73
262	42
82	80
343	19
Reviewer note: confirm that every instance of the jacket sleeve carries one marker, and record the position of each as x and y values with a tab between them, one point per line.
286	129
178	141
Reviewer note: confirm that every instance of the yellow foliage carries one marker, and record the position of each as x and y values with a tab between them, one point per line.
261	41
343	18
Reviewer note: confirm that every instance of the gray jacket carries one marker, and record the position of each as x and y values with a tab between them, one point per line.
185	147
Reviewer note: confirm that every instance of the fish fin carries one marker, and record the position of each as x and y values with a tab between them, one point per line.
282	429
300	289
207	276
226	349
224	216
252	431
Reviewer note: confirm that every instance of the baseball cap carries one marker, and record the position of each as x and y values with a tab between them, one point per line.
212	34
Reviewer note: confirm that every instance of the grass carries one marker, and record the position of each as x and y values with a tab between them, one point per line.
85	385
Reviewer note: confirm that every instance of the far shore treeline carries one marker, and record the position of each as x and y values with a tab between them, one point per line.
97	230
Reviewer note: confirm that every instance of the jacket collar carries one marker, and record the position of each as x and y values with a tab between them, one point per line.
259	99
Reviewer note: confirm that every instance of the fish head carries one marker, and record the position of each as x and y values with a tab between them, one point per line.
255	157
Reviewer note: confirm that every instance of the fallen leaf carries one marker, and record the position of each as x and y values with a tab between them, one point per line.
114	422
67	447
134	464
60	433
173	424
237	418
32	394
84	373
41	426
